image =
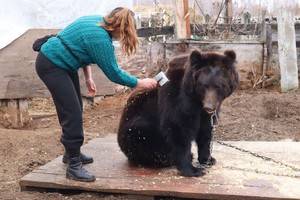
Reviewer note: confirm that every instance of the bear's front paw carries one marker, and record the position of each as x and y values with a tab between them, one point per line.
193	171
207	161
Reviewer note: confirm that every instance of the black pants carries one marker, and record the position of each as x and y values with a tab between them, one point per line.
65	90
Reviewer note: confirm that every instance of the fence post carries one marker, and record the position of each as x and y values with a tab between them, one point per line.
287	51
228	11
182	19
14	113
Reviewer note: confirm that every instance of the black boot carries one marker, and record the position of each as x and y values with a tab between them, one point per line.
76	171
83	158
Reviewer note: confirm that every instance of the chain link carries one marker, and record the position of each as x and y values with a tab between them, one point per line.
214	123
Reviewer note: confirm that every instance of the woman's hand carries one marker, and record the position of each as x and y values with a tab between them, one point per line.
91	86
147	83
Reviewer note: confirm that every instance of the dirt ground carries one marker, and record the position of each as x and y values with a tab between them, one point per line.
252	115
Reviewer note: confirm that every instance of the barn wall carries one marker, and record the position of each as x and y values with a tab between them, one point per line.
250	58
152	58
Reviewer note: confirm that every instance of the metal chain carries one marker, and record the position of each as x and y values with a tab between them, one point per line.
265	158
261	172
215	123
259	156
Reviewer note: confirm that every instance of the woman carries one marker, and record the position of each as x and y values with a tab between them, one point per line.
87	40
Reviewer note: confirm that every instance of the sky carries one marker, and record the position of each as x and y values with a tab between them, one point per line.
17	16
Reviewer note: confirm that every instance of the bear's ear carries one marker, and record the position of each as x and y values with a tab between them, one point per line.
231	55
195	57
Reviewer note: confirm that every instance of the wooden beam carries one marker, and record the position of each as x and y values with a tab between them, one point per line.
148	31
182	19
228	11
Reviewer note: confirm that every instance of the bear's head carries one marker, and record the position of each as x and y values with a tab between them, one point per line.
210	78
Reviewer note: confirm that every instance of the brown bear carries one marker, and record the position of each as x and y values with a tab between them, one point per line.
157	127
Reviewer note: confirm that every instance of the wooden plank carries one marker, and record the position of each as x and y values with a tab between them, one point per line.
18	75
114	175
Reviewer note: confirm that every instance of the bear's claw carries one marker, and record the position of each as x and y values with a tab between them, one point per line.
193	171
208	161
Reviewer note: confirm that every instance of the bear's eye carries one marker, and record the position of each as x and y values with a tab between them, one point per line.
217	87
205	86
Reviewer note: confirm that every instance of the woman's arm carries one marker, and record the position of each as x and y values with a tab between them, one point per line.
90	84
104	56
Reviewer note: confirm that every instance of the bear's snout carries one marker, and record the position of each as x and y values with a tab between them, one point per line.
210	102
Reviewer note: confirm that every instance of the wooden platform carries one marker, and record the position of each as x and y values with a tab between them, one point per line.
237	175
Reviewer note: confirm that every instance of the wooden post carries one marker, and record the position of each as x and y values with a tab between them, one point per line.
138	21
287	51
24	118
14	113
228	11
182	19
12	108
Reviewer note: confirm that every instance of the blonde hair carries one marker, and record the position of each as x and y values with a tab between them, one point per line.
123	18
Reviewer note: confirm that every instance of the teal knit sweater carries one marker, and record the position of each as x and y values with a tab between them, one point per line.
92	44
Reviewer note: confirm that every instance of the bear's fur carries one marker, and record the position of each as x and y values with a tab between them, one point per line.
157	127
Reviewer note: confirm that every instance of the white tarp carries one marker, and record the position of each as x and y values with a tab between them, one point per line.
17	16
